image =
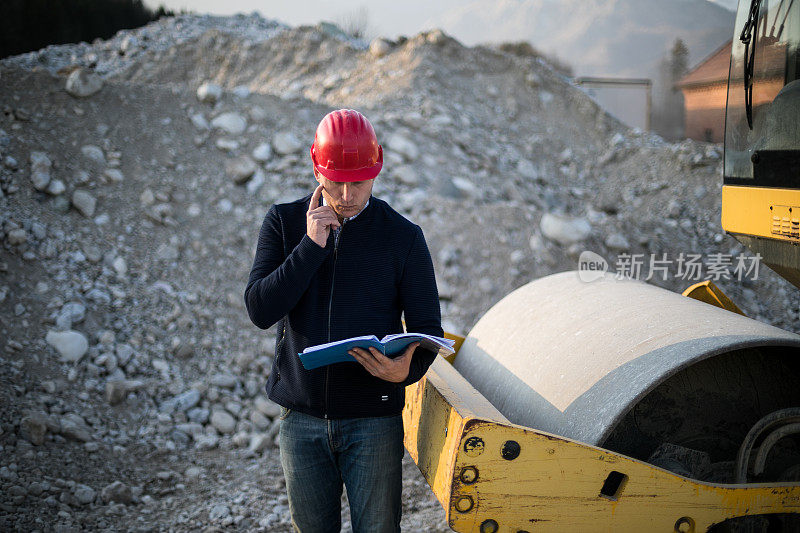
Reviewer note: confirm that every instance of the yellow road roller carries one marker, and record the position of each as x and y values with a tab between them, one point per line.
615	405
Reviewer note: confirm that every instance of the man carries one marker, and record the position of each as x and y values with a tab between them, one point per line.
341	263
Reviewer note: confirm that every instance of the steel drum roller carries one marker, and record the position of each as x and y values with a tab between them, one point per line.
628	366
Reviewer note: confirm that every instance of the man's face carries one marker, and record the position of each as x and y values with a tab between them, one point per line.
346	198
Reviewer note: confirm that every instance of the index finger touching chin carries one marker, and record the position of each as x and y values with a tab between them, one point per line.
314	203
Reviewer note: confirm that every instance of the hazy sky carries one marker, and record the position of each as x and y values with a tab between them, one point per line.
386	18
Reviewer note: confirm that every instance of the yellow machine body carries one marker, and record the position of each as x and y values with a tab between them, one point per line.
521	431
766	220
706	291
763	212
494	476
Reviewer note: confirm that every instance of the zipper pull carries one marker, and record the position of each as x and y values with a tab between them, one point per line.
336	235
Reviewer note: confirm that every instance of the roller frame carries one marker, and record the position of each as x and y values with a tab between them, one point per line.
553	483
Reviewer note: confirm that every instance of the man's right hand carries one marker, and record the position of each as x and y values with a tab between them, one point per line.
320	220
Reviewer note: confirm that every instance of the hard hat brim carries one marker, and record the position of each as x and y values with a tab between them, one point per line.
359	174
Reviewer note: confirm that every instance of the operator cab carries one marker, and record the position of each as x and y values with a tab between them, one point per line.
761	187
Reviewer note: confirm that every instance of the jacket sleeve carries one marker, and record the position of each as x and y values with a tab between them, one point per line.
277	281
420	300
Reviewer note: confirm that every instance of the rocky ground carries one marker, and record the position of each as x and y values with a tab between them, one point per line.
134	176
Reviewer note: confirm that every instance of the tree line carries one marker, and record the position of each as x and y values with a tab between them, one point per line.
667	113
27	25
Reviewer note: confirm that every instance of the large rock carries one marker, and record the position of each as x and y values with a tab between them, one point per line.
565	230
224	380
33	427
259	442
71	345
193	429
129	44
56	187
380	47
260	421
436	36
465	186
241	91
167	252
124	353
228	145
262	153
232	123
198	415
17	236
120	265
117	492
241	169
406	175
107	360
84	494
241	439
255	182
267	407
84	202
526	169
94	153
223	422
71	313
116	391
83	83
206	442
114	175
199	121
209	93
181	402
35	489
257	113
74	427
286	143
193	472
218	512
184	350
404	146
40	170
617	242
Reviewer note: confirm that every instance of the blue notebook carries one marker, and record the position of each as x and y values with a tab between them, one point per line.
391	345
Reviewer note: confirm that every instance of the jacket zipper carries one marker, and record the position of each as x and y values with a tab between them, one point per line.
336	238
278	350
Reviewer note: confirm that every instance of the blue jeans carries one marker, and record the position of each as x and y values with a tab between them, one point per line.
366	454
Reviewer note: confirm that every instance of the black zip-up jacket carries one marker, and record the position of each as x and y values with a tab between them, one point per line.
380	268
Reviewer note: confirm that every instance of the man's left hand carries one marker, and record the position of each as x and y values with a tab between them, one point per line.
386	368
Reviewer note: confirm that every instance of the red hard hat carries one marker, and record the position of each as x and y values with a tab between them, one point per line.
345	147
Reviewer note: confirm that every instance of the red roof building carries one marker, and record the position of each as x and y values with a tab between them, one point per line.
704	94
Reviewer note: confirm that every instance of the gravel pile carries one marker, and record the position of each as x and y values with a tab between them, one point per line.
132	189
127	46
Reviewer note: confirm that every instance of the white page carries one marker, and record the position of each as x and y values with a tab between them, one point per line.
326	345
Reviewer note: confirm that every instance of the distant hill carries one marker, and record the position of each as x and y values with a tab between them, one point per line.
596	37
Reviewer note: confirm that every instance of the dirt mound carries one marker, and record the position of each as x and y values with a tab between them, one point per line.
430	73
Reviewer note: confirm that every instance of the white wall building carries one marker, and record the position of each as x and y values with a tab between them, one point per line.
628	99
